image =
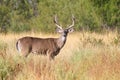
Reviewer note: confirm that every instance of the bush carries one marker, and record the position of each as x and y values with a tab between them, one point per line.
20	28
93	15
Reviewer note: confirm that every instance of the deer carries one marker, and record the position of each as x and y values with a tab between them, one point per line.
45	46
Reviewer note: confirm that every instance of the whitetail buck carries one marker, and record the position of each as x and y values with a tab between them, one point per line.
46	46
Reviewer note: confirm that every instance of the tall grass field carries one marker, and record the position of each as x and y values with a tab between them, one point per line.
85	56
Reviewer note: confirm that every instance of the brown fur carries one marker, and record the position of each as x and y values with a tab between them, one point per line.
47	46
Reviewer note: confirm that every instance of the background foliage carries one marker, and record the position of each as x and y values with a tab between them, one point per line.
38	15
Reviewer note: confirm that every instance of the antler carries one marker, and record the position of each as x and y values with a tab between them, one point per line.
56	22
73	22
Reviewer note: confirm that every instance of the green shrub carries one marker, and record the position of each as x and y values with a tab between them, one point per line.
20	28
93	15
5	69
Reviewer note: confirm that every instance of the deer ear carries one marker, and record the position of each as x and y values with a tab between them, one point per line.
59	30
70	29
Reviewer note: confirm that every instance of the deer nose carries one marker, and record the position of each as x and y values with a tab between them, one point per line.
66	31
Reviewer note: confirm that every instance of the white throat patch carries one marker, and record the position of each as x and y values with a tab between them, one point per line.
62	38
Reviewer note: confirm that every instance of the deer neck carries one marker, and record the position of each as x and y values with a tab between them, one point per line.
61	40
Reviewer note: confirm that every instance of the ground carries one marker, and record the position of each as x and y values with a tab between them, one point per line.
85	56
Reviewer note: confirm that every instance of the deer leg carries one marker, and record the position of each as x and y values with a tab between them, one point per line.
25	52
51	56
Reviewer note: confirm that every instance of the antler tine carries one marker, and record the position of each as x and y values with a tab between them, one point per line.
73	21
56	22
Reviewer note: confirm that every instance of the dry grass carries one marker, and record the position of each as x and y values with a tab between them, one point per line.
86	56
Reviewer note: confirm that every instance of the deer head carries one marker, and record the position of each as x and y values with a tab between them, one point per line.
67	30
64	32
